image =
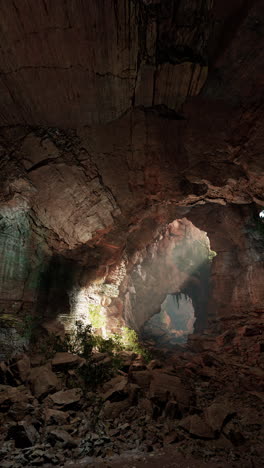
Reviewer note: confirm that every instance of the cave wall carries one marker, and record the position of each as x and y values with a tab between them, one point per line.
92	197
24	256
236	292
118	117
129	53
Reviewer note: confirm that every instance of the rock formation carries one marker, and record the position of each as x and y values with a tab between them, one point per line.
128	127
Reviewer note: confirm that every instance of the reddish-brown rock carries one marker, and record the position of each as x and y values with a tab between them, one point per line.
197	427
43	381
216	414
66	397
164	387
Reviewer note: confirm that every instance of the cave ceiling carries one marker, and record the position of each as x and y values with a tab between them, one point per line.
114	113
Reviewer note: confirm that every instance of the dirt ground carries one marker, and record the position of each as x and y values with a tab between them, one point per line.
164	459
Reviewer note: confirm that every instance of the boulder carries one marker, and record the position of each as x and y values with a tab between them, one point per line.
171	438
133	391
23	367
146	406
66	360
66	397
11	395
216	415
141	378
154	364
126	357
4	371
165	386
112	410
197	427
38	360
138	365
43	381
62	436
118	390
54	328
233	432
53	416
98	357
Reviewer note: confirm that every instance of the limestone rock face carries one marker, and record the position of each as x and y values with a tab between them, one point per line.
91	62
118	118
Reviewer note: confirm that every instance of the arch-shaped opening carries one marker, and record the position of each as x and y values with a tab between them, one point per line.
173	323
173	273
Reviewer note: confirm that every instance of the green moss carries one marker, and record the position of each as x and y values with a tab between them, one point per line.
7	321
212	254
130	341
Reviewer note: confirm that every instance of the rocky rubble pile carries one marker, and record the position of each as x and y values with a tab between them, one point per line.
207	400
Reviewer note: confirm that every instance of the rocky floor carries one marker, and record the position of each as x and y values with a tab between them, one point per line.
197	406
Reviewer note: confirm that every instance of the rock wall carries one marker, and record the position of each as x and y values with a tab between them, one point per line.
237	293
69	218
113	127
129	53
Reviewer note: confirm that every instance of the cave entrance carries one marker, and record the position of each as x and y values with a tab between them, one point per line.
170	286
173	323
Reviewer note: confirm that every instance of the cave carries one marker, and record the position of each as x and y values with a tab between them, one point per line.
174	267
131	233
173	323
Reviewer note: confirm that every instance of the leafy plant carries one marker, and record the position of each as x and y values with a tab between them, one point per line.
111	345
96	316
94	374
80	341
131	342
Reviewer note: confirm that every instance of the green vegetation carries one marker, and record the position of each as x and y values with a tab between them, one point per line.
96	316
131	342
9	321
112	345
80	341
212	254
84	342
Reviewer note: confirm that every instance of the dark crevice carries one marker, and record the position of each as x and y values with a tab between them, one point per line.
163	111
45	162
178	54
